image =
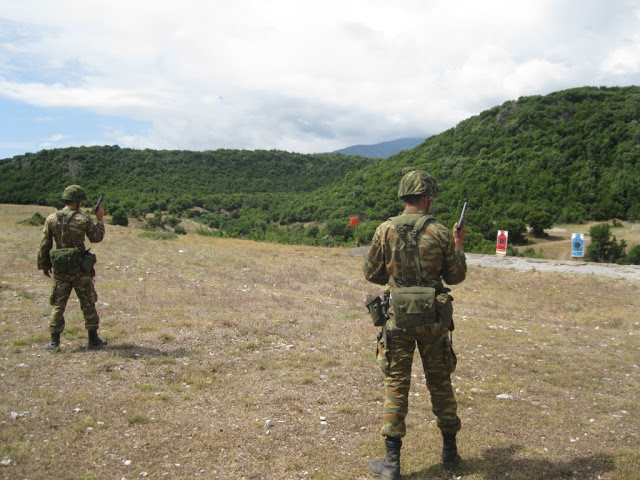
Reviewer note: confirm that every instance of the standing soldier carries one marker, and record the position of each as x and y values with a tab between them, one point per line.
411	255
72	263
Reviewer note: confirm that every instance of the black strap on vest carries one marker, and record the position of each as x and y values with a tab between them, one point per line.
413	240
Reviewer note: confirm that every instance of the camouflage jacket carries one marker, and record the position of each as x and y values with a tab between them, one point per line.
79	226
438	258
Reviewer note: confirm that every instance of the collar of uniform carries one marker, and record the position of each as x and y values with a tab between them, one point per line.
414	211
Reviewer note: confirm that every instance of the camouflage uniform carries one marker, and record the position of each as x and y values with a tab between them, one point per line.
79	226
438	261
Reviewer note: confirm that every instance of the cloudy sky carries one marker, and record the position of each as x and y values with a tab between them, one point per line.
298	75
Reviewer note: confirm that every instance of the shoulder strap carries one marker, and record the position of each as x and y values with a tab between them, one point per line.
401	223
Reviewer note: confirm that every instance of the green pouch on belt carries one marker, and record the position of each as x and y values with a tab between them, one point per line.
413	306
66	260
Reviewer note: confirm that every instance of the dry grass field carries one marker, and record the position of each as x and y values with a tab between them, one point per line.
231	359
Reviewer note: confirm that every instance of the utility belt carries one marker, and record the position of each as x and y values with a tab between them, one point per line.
72	260
412	307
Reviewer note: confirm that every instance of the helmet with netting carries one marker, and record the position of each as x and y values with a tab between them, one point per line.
74	193
418	182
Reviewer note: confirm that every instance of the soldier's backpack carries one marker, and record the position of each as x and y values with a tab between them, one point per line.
413	305
69	260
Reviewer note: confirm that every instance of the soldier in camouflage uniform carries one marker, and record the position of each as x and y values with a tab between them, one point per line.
441	257
78	225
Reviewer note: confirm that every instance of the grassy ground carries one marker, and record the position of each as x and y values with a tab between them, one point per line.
231	359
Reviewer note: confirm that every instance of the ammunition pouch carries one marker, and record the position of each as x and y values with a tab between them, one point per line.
374	305
444	310
413	306
88	261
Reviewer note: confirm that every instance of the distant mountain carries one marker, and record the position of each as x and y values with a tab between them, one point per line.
384	149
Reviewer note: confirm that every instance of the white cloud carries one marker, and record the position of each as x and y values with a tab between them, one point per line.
53	140
306	76
624	59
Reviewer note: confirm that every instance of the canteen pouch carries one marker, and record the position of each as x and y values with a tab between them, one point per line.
413	306
65	260
374	305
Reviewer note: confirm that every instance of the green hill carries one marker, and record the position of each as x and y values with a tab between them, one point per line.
573	154
143	181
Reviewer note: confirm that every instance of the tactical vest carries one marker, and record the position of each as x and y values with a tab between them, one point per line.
68	260
412	305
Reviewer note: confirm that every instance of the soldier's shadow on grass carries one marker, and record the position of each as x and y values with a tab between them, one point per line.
128	350
501	463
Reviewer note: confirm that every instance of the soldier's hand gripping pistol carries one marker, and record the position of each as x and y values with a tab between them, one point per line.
379	311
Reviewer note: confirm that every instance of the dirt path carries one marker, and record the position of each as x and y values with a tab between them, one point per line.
631	272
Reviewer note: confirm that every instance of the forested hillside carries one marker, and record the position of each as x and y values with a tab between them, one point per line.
143	181
572	155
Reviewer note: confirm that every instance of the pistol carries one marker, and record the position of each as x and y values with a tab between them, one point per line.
97	207
462	215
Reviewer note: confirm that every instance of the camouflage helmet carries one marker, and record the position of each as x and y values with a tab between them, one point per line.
74	193
418	182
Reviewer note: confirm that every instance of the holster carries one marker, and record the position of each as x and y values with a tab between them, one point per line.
375	307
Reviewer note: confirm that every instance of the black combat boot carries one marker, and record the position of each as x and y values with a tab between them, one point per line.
389	468
54	344
95	341
450	457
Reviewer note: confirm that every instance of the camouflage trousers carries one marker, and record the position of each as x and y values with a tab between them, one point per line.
82	283
438	362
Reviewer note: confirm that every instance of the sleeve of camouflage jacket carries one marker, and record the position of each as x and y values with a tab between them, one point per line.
46	244
374	266
95	231
454	267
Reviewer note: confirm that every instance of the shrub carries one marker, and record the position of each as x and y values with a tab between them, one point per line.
156	221
119	217
172	221
633	257
531	253
603	247
36	220
159	235
208	232
539	221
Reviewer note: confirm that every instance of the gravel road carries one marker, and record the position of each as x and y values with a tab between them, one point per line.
631	272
